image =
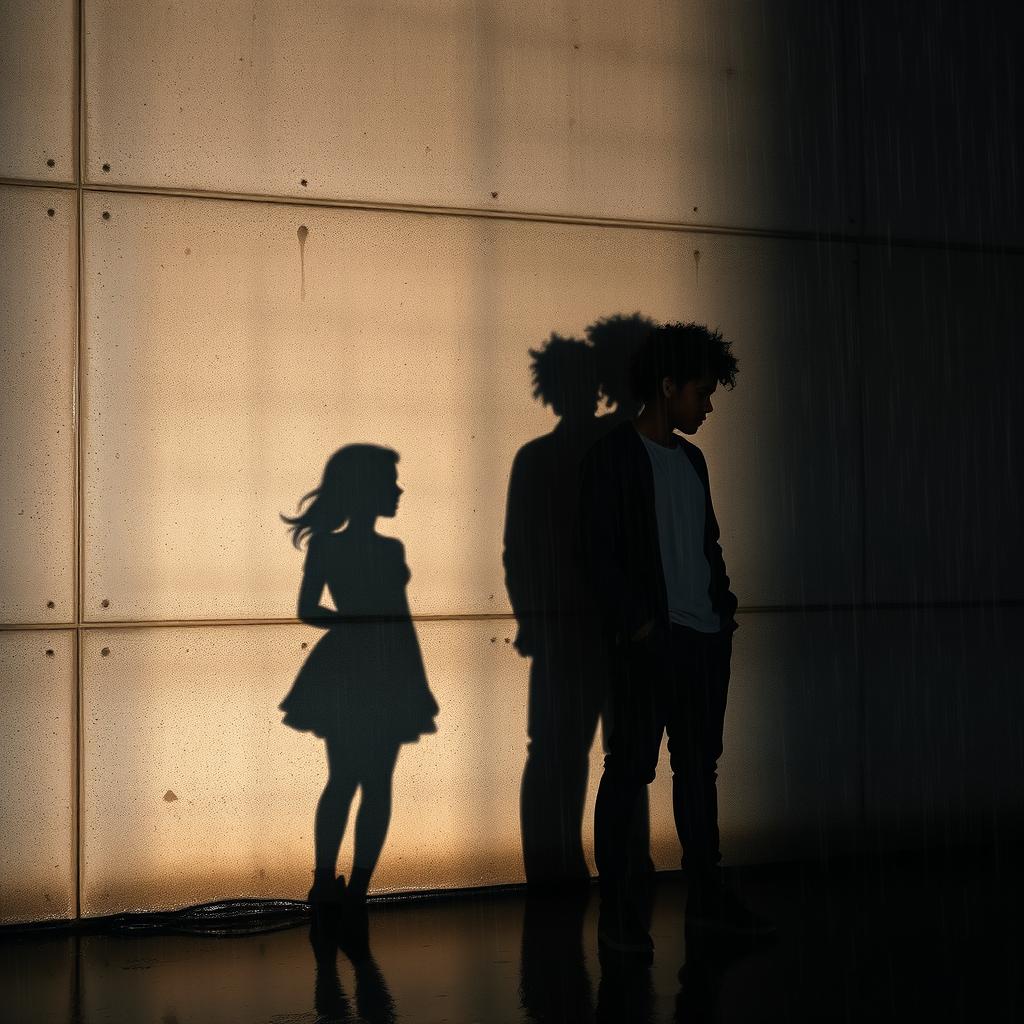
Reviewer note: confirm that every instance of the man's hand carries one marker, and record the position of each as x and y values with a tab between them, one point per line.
642	632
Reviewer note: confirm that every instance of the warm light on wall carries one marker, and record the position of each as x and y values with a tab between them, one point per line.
276	232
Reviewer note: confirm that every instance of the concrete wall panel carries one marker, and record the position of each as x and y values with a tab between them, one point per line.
790	775
943	709
194	790
700	112
37	764
942	425
38	324
935	93
232	348
39	85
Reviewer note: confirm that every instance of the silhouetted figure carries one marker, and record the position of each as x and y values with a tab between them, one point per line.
551	602
559	625
651	547
363	687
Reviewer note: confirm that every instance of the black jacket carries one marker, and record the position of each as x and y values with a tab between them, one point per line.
619	536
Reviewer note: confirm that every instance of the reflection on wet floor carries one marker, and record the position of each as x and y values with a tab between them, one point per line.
913	940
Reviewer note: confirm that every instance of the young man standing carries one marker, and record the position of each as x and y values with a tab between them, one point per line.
650	546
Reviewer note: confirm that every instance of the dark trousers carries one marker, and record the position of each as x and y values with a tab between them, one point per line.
679	684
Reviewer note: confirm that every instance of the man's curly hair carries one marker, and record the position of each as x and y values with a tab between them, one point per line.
683	352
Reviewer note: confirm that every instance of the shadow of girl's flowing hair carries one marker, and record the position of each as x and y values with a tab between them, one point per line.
352	476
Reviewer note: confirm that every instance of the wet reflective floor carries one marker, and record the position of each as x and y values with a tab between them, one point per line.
923	938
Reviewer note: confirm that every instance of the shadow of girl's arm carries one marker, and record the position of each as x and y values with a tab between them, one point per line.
314	578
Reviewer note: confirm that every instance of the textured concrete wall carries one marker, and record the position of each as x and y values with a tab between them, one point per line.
238	238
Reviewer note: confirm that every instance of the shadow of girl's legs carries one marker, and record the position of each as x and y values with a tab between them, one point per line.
373	817
333	807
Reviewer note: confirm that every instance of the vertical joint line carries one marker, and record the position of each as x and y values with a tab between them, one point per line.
79	161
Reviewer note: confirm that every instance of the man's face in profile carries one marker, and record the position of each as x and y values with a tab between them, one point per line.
689	405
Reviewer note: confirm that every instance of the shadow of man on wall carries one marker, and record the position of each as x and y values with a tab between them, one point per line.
363	689
558	621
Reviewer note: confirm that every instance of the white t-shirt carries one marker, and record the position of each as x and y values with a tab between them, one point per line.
679	504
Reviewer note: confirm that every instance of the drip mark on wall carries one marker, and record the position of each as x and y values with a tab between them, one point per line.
303	234
696	266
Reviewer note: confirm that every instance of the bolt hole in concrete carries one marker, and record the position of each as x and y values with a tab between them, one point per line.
106	167
49	652
106	215
50	604
51	163
105	652
50	212
303	183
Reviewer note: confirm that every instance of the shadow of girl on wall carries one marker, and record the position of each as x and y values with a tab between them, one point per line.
363	688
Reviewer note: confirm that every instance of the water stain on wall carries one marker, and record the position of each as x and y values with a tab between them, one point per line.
303	234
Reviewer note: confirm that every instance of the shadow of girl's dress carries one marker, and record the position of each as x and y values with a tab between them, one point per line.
363	683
